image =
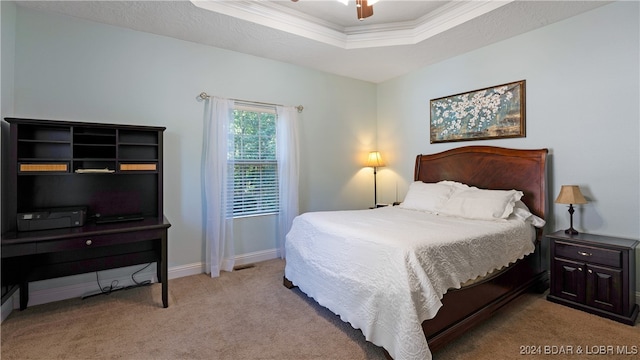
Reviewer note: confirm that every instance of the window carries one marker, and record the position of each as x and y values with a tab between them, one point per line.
255	169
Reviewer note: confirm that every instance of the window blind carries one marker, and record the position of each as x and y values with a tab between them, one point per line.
255	168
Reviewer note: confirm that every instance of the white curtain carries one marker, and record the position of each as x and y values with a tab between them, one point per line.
288	170
217	190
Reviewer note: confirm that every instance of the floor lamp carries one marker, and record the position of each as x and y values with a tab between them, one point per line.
375	161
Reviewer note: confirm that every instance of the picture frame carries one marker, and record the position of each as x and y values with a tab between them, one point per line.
495	112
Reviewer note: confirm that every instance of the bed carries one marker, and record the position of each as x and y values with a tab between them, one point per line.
372	278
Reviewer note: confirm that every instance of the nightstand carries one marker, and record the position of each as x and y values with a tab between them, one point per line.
594	273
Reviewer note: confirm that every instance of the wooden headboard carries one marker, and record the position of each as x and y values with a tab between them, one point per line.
489	167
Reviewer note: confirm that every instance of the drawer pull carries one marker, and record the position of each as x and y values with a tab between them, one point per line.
88	242
584	253
579	269
590	272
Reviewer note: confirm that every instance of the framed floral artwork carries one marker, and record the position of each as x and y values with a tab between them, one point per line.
495	112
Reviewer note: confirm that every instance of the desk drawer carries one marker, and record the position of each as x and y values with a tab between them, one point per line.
86	242
18	250
589	254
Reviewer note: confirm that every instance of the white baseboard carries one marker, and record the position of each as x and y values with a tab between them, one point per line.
43	296
257	256
7	307
185	270
244	259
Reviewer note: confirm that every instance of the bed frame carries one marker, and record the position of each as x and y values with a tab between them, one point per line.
488	168
497	168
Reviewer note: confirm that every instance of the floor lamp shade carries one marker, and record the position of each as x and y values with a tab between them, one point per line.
374	160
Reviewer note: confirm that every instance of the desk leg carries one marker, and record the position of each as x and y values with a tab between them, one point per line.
24	294
164	273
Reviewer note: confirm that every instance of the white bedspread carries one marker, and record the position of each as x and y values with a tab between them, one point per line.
385	270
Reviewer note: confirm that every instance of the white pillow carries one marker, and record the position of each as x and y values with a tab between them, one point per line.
426	196
520	210
454	184
474	203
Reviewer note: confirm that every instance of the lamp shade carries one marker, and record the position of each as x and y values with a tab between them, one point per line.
570	194
374	159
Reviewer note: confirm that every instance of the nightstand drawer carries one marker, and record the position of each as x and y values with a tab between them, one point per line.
590	254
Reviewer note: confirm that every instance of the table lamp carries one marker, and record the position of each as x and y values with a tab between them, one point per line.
570	194
375	161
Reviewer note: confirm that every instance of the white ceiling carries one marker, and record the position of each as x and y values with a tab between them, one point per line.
325	35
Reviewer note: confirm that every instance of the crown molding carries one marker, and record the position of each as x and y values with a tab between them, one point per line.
275	17
281	18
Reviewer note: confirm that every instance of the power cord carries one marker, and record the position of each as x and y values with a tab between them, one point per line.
137	284
114	284
108	289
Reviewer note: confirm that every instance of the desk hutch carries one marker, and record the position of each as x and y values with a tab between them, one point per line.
111	170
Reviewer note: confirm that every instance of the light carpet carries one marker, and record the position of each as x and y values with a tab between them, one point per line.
248	314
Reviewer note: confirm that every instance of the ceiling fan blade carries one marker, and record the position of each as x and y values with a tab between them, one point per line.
363	9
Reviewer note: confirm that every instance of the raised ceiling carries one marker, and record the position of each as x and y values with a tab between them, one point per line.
325	35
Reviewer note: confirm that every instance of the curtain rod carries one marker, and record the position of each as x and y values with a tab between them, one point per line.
204	96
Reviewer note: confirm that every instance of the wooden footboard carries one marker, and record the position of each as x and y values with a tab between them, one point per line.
467	307
287	283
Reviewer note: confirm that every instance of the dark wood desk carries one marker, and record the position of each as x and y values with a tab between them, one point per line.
46	254
109	169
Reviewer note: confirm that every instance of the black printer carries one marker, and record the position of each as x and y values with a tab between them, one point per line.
53	218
